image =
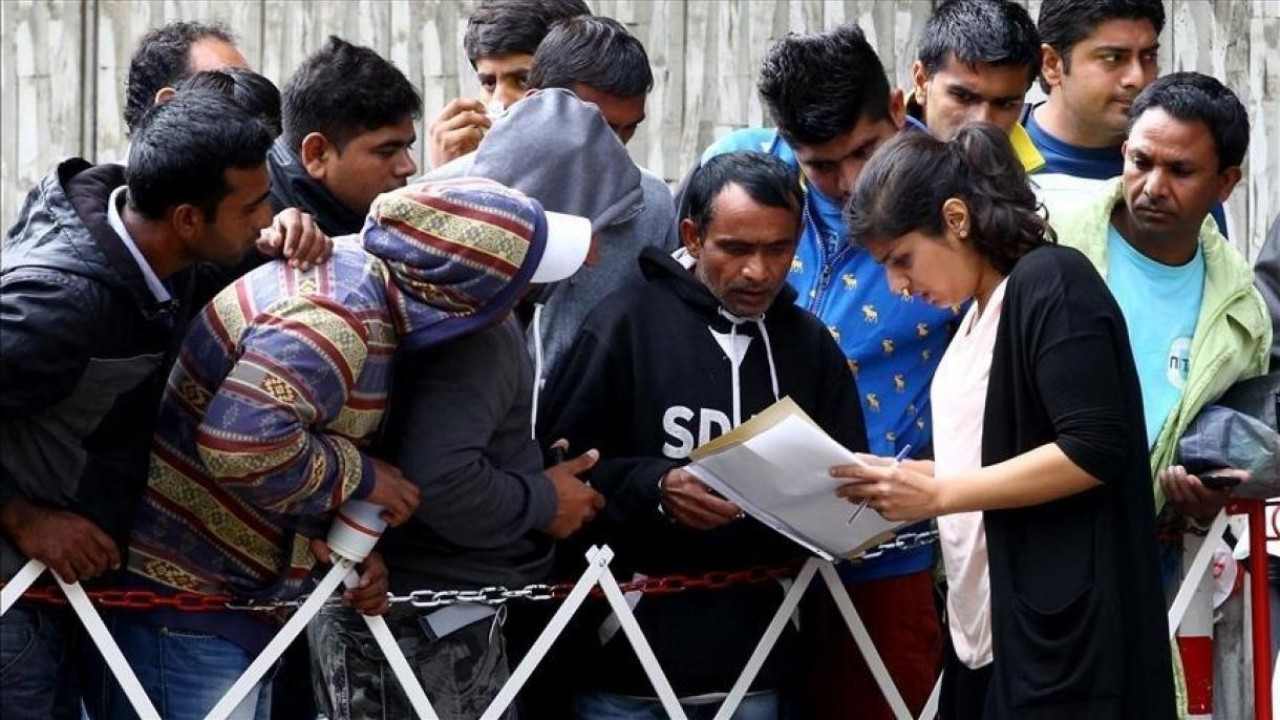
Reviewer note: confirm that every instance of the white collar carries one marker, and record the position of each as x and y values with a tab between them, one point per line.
156	287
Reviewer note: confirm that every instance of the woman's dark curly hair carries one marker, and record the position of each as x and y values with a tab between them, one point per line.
903	187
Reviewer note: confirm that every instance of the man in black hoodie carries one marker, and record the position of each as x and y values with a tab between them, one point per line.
348	129
95	280
712	337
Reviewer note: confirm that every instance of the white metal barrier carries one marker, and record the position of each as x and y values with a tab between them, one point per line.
597	574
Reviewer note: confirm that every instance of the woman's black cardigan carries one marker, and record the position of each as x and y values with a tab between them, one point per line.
1078	616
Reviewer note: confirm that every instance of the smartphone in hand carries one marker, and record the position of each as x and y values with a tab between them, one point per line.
1220	482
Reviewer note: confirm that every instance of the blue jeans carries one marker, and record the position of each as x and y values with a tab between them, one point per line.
39	660
184	673
605	706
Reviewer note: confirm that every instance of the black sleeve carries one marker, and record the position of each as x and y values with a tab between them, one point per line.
589	404
46	332
46	335
1079	352
456	398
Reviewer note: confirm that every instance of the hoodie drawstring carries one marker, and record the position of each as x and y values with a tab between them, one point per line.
537	368
768	351
735	362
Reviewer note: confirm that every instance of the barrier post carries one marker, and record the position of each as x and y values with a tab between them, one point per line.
863	640
1261	613
770	638
112	656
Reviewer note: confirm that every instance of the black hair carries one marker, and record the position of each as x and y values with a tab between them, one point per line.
595	51
344	90
162	59
766	179
1192	96
499	27
181	150
904	185
1063	23
257	95
989	32
820	86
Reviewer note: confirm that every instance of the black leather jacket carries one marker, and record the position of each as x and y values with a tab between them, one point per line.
84	349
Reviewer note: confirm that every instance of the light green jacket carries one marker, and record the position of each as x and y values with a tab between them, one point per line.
1232	339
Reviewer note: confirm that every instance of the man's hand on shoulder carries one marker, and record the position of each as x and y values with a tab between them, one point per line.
295	237
70	544
456	131
688	501
576	502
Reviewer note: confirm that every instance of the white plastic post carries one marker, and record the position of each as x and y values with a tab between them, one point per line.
14	589
930	710
111	654
597	573
1191	581
272	652
597	563
93	624
399	665
863	641
769	639
644	653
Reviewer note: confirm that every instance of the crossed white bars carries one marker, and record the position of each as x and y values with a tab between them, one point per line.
596	574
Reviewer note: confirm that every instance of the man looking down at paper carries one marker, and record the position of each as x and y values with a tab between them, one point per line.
712	337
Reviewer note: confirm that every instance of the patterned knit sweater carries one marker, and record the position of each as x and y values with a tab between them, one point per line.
284	378
281	380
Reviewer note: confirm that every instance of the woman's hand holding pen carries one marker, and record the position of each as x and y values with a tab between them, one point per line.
898	492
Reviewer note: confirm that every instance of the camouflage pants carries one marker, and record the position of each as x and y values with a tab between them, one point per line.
461	672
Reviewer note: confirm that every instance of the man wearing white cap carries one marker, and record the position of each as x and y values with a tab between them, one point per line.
460	428
276	397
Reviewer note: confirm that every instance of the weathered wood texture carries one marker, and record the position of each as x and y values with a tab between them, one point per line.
63	65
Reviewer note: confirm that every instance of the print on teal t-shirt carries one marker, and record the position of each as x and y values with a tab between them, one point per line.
1161	304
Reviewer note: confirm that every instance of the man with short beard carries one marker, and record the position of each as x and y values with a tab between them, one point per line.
711	338
1196	323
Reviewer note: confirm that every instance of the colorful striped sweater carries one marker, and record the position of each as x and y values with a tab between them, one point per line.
280	382
283	379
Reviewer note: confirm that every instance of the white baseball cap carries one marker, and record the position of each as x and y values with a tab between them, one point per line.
567	247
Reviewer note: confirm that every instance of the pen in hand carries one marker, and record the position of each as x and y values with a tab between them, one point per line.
897	460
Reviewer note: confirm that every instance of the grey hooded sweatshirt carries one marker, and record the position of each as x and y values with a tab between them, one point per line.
1267	272
559	150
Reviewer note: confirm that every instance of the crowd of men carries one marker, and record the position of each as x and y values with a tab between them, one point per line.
267	311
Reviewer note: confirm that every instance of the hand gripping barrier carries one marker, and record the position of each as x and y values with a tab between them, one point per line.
358	526
353	534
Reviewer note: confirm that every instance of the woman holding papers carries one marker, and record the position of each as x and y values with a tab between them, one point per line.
1041	483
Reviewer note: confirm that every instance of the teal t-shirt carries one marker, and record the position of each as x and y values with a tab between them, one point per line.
1161	304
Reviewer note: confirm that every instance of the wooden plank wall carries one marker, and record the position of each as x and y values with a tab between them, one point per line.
63	65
